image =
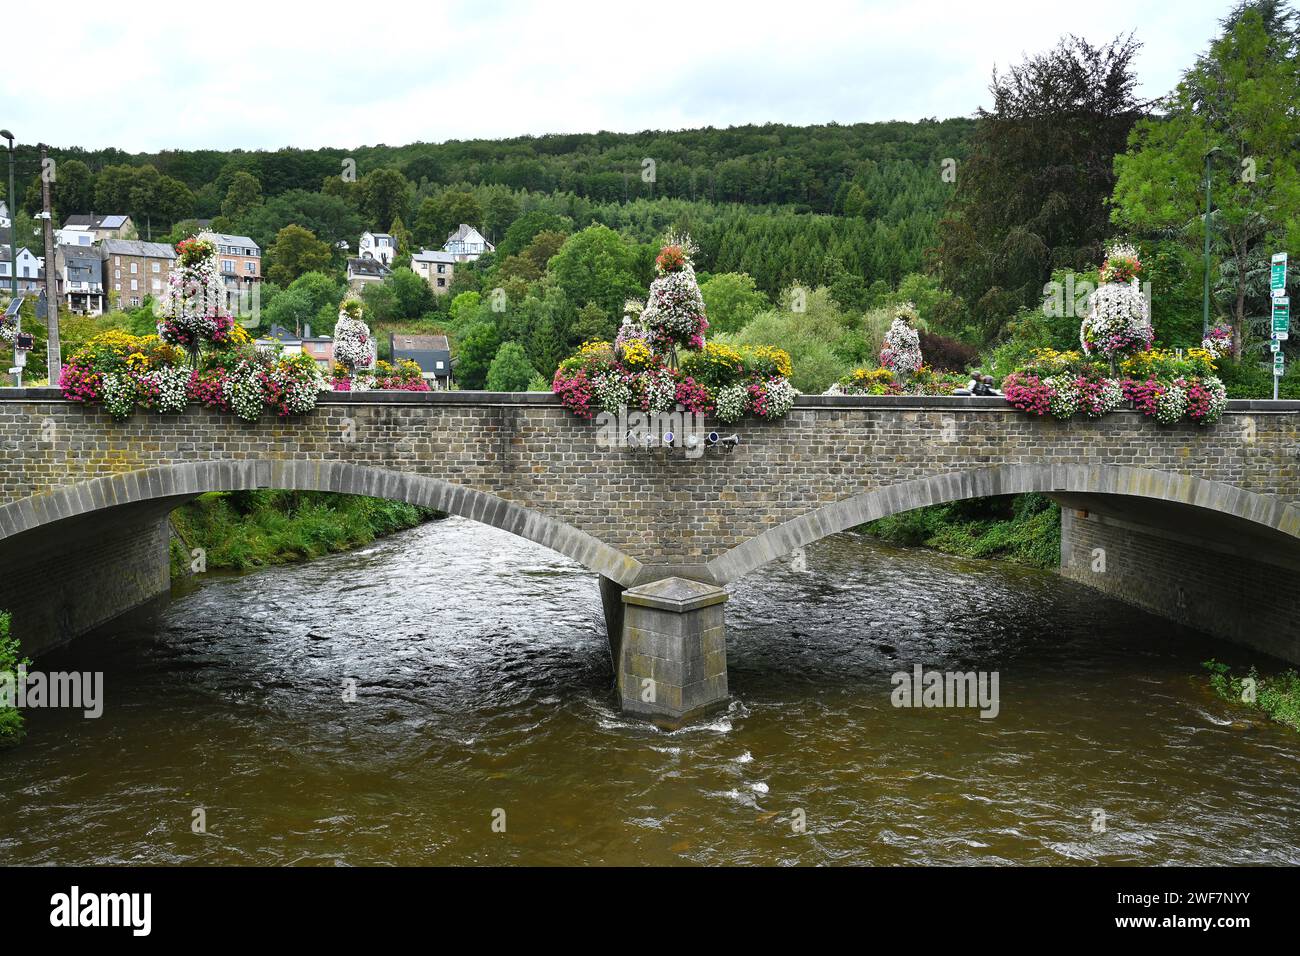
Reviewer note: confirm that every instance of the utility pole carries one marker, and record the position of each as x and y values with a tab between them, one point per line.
13	251
1210	156
53	354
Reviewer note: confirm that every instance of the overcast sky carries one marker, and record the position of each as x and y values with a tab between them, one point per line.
147	74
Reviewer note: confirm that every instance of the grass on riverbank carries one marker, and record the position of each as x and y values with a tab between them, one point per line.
1025	529
239	530
11	718
1277	695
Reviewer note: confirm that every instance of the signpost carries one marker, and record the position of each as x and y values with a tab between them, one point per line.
1281	326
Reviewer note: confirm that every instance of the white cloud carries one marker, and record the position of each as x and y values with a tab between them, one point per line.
333	74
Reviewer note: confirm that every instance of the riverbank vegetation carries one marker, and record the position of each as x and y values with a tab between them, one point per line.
1024	529
241	530
11	718
1277	695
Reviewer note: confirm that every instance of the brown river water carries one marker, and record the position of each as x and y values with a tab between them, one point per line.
483	695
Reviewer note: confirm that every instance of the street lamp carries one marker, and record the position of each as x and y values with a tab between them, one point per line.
1210	156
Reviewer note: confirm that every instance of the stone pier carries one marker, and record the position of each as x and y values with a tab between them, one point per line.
672	660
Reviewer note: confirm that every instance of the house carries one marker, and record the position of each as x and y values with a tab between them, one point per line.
319	347
31	270
377	245
362	272
80	274
431	352
134	269
87	229
467	244
288	342
239	260
435	267
4	215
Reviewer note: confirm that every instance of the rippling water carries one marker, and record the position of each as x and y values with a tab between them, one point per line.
483	689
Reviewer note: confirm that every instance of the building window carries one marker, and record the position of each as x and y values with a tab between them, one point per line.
441	268
156	267
227	265
135	268
157	285
441	283
117	260
118	286
250	267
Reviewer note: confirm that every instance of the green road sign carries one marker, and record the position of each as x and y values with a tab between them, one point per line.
1281	317
1279	364
1275	346
1277	277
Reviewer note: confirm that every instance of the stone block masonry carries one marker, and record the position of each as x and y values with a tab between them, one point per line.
523	463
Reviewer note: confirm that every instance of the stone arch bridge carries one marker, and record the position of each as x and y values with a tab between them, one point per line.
1197	524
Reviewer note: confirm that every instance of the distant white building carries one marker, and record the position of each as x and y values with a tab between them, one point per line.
379	246
31	269
4	215
467	244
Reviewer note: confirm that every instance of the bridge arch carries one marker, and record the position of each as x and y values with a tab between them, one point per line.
1264	512
182	481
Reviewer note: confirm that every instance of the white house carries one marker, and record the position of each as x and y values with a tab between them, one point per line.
31	270
467	244
4	215
379	246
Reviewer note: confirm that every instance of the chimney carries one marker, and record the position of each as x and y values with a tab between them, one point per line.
306	331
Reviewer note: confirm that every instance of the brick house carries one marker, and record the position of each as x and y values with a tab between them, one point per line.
362	272
239	260
435	267
134	269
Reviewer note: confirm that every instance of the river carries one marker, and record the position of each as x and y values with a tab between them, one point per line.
483	703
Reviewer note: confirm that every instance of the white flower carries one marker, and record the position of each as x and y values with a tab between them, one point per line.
354	346
902	347
731	403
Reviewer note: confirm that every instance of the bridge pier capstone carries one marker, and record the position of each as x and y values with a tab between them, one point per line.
672	660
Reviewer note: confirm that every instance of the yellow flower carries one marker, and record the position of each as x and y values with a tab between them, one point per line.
636	354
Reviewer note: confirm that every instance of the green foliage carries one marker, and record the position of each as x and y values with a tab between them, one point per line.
240	530
731	299
598	265
510	370
1024	529
11	659
823	341
474	354
1277	695
1031	196
439	216
1230	101
296	251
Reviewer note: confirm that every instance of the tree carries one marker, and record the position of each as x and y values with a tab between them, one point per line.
474	354
731	300
73	187
440	215
1231	102
597	265
331	218
384	196
527	226
593	324
296	250
1031	195
244	193
412	295
510	370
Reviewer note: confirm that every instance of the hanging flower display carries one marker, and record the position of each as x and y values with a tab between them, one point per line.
1218	341
193	312
674	312
901	351
354	346
1119	318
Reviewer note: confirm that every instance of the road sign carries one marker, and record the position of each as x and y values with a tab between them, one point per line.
24	342
1281	317
1277	276
1275	346
1279	365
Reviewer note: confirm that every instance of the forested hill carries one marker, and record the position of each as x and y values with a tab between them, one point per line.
812	168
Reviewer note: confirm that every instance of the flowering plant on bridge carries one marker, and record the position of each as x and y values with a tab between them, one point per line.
901	351
882	381
354	346
1119	317
8	330
194	312
628	373
674	312
1218	341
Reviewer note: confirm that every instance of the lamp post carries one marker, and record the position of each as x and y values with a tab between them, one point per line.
1210	156
13	243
